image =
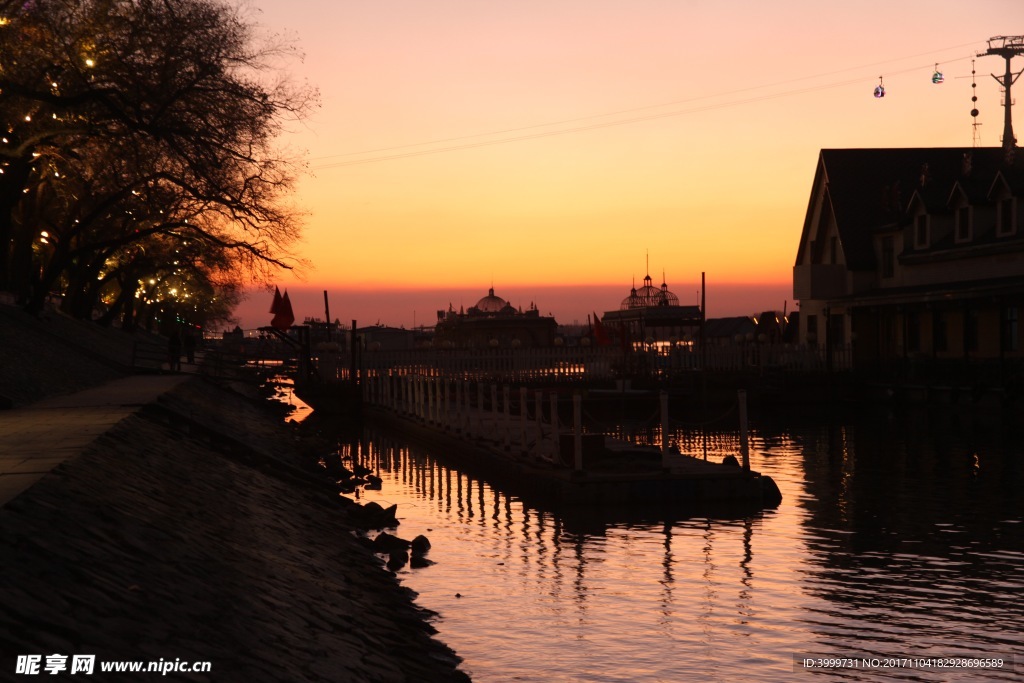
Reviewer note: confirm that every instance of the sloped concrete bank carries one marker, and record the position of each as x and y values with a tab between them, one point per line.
193	531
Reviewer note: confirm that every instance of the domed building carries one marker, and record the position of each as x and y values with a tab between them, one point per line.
652	314
648	296
494	323
491	305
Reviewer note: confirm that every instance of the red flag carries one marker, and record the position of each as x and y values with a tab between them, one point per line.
275	307
600	334
282	310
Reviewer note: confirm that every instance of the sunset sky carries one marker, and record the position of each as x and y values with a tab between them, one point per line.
549	147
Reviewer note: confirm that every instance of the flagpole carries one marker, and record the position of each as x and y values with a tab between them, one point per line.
327	315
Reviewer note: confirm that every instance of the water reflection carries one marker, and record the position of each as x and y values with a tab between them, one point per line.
889	542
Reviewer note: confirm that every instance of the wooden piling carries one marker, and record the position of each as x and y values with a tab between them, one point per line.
744	446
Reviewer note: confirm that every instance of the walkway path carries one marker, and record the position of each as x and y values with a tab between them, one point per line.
36	438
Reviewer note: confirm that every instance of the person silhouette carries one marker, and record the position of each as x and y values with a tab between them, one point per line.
190	346
174	350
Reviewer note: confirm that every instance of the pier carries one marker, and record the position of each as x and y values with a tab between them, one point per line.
531	441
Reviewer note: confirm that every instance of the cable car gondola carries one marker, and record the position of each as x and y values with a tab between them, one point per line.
880	88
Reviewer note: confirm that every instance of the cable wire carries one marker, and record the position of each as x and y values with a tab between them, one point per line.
615	122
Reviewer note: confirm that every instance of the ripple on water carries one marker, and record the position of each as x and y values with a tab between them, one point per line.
545	598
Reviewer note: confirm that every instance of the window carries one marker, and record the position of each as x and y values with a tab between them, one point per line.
812	329
888	256
921	232
1006	222
963	224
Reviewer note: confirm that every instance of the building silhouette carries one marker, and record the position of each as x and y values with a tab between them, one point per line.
494	323
914	257
652	315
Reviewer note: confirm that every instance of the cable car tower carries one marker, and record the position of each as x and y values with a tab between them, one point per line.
1006	47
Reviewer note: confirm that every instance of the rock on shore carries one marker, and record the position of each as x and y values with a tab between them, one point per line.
190	531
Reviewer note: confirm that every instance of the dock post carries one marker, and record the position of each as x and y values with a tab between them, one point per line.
446	420
407	405
744	446
664	429
494	409
414	395
508	417
577	431
459	414
421	397
478	415
523	412
538	413
431	385
424	398
554	423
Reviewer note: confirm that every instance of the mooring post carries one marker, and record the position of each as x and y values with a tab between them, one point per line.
508	416
577	431
522	419
410	396
554	420
431	386
664	429
479	414
460	407
446	420
744	447
494	409
421	387
538	410
414	396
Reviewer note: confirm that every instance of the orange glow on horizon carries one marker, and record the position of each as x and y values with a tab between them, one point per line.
466	144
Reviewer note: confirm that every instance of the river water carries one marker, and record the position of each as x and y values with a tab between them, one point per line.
898	538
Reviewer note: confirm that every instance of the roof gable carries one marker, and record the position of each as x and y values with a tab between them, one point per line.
870	189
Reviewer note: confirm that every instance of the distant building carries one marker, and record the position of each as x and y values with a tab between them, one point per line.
910	254
383	338
494	323
729	331
652	315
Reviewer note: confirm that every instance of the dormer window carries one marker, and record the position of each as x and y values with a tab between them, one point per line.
921	232
1006	220
963	224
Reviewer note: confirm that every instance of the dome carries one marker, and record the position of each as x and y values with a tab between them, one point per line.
491	303
648	296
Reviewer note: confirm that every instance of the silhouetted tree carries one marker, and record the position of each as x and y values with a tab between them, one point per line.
134	125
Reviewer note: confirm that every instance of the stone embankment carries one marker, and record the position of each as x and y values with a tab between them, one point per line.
194	531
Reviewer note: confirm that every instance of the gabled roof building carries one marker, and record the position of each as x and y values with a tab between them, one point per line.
910	256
